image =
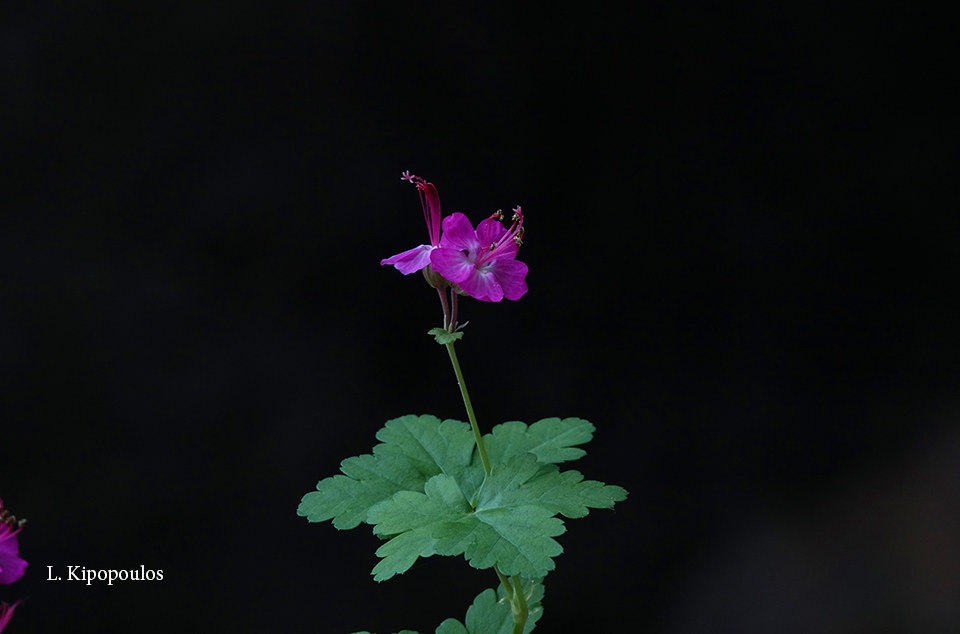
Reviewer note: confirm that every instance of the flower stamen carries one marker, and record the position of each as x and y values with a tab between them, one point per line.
511	239
518	237
9	524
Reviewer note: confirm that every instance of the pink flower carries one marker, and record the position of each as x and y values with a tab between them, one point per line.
419	257
482	262
6	613
12	566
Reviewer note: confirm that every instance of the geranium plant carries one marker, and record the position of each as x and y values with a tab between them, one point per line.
443	487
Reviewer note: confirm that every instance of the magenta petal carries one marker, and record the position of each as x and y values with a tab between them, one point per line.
458	234
482	285
490	231
12	566
430	200
510	274
410	261
452	264
12	569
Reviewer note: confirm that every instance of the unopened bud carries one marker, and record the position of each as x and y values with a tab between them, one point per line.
433	278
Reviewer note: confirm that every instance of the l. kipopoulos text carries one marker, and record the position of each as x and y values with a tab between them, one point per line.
110	577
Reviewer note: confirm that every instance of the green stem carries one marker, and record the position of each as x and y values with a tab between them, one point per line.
513	587
469	406
505	582
518	605
518	600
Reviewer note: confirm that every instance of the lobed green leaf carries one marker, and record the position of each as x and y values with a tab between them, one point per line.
551	440
413	449
490	613
512	525
432	446
563	492
425	492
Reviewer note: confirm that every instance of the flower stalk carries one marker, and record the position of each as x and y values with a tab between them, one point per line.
469	406
512	585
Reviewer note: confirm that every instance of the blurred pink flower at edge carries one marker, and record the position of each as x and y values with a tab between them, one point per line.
12	566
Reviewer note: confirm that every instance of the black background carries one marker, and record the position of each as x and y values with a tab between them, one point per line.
742	259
